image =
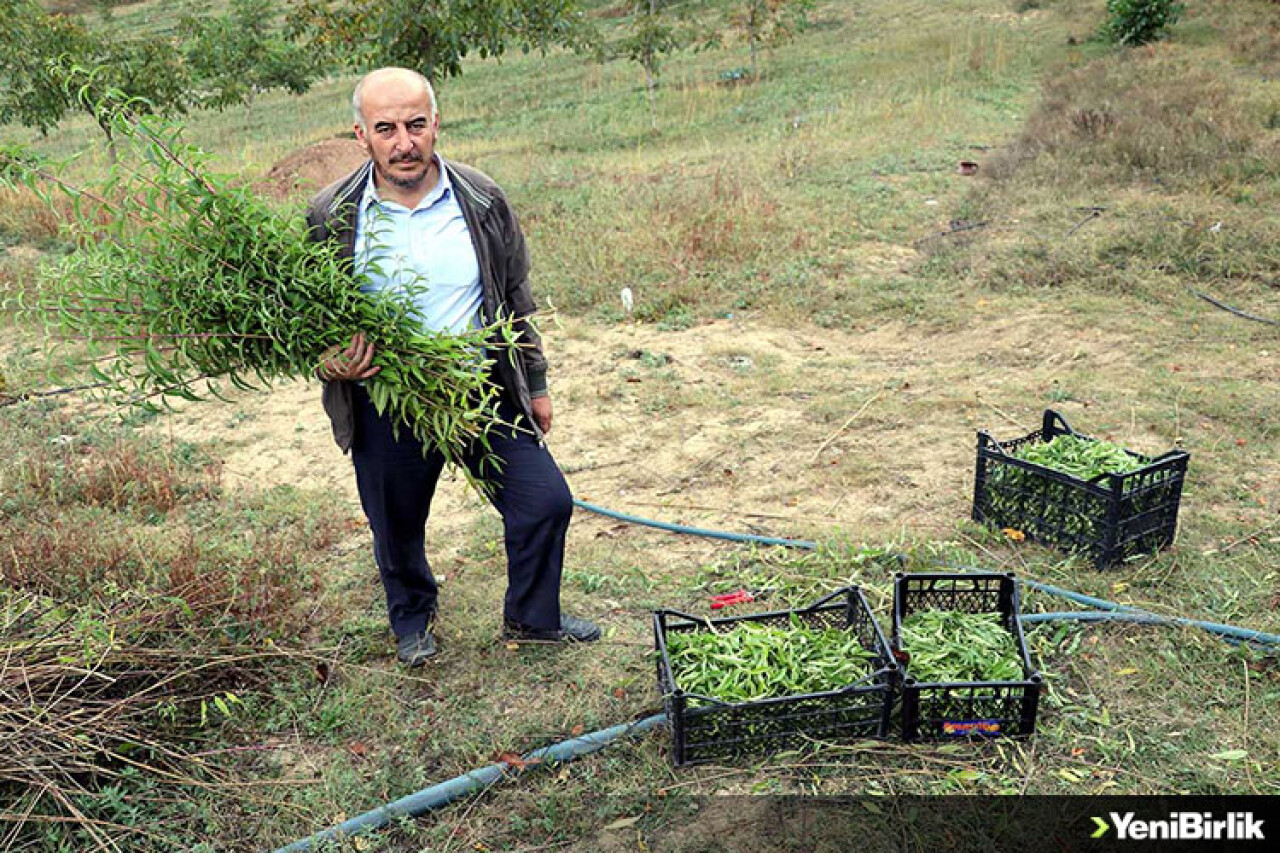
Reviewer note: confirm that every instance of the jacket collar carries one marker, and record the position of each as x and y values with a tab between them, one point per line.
474	200
353	187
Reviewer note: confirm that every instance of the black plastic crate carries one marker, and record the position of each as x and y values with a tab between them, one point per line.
941	710
707	729
1110	518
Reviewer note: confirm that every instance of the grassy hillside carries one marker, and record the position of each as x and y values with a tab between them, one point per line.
825	311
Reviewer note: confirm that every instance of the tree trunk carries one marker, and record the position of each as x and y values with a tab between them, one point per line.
650	86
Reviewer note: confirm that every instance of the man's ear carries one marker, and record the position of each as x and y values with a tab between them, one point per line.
360	137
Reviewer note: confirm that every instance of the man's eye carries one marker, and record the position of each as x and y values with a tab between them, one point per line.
417	126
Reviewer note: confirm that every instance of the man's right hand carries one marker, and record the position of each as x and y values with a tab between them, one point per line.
350	364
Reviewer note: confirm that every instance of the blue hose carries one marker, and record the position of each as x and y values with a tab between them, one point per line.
696	531
1231	633
1078	598
1059	592
459	786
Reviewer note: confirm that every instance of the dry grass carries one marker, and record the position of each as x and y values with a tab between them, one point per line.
85	515
102	716
1142	172
26	218
136	607
117	474
1250	29
1147	115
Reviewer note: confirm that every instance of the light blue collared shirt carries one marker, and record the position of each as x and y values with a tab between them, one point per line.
427	250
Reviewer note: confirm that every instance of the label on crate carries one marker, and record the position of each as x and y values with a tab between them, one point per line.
968	728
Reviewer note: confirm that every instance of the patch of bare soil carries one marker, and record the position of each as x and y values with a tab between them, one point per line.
309	170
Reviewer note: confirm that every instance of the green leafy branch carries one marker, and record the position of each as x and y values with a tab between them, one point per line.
182	283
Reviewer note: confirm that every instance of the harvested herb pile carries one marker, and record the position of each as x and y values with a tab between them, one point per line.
753	661
948	645
1080	457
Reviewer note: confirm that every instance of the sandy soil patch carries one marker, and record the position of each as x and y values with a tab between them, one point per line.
310	169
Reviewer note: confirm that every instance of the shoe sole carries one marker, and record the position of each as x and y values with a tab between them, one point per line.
414	663
546	641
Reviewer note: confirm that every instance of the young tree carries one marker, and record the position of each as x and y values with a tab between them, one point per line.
1135	22
768	23
434	36
234	56
653	37
35	94
217	61
40	54
148	69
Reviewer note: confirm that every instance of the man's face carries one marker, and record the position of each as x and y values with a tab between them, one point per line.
399	131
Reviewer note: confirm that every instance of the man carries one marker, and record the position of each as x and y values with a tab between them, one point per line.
410	215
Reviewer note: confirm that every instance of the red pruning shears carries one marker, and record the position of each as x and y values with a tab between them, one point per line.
738	596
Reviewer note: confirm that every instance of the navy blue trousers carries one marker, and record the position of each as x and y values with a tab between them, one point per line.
396	483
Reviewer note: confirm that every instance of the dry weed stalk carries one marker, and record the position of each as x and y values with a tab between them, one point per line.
87	705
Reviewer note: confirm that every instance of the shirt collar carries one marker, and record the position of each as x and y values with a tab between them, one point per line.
442	190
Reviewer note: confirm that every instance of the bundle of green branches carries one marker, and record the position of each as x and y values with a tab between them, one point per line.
108	712
181	282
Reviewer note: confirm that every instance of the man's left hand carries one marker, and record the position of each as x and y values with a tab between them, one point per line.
542	413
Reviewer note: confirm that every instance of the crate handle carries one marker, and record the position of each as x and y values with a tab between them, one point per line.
990	443
882	671
1051	422
697	620
821	601
1154	460
683	615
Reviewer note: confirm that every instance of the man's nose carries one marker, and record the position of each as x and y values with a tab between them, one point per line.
403	139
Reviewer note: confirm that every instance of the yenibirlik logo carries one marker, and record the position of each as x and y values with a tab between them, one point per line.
1183	826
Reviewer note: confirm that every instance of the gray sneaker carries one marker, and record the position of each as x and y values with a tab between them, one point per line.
416	649
572	630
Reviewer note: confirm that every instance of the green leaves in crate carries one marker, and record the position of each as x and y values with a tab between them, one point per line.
1085	458
948	645
750	661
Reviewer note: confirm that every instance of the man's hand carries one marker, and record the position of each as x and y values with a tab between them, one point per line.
542	413
352	363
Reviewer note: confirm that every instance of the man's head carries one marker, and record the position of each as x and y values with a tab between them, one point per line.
396	124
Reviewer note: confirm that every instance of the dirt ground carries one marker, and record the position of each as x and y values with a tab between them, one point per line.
306	171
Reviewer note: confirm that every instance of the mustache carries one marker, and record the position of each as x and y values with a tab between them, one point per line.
409	157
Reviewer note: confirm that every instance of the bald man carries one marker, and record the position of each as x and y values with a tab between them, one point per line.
450	226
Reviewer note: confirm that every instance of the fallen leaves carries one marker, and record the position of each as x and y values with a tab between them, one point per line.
514	759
